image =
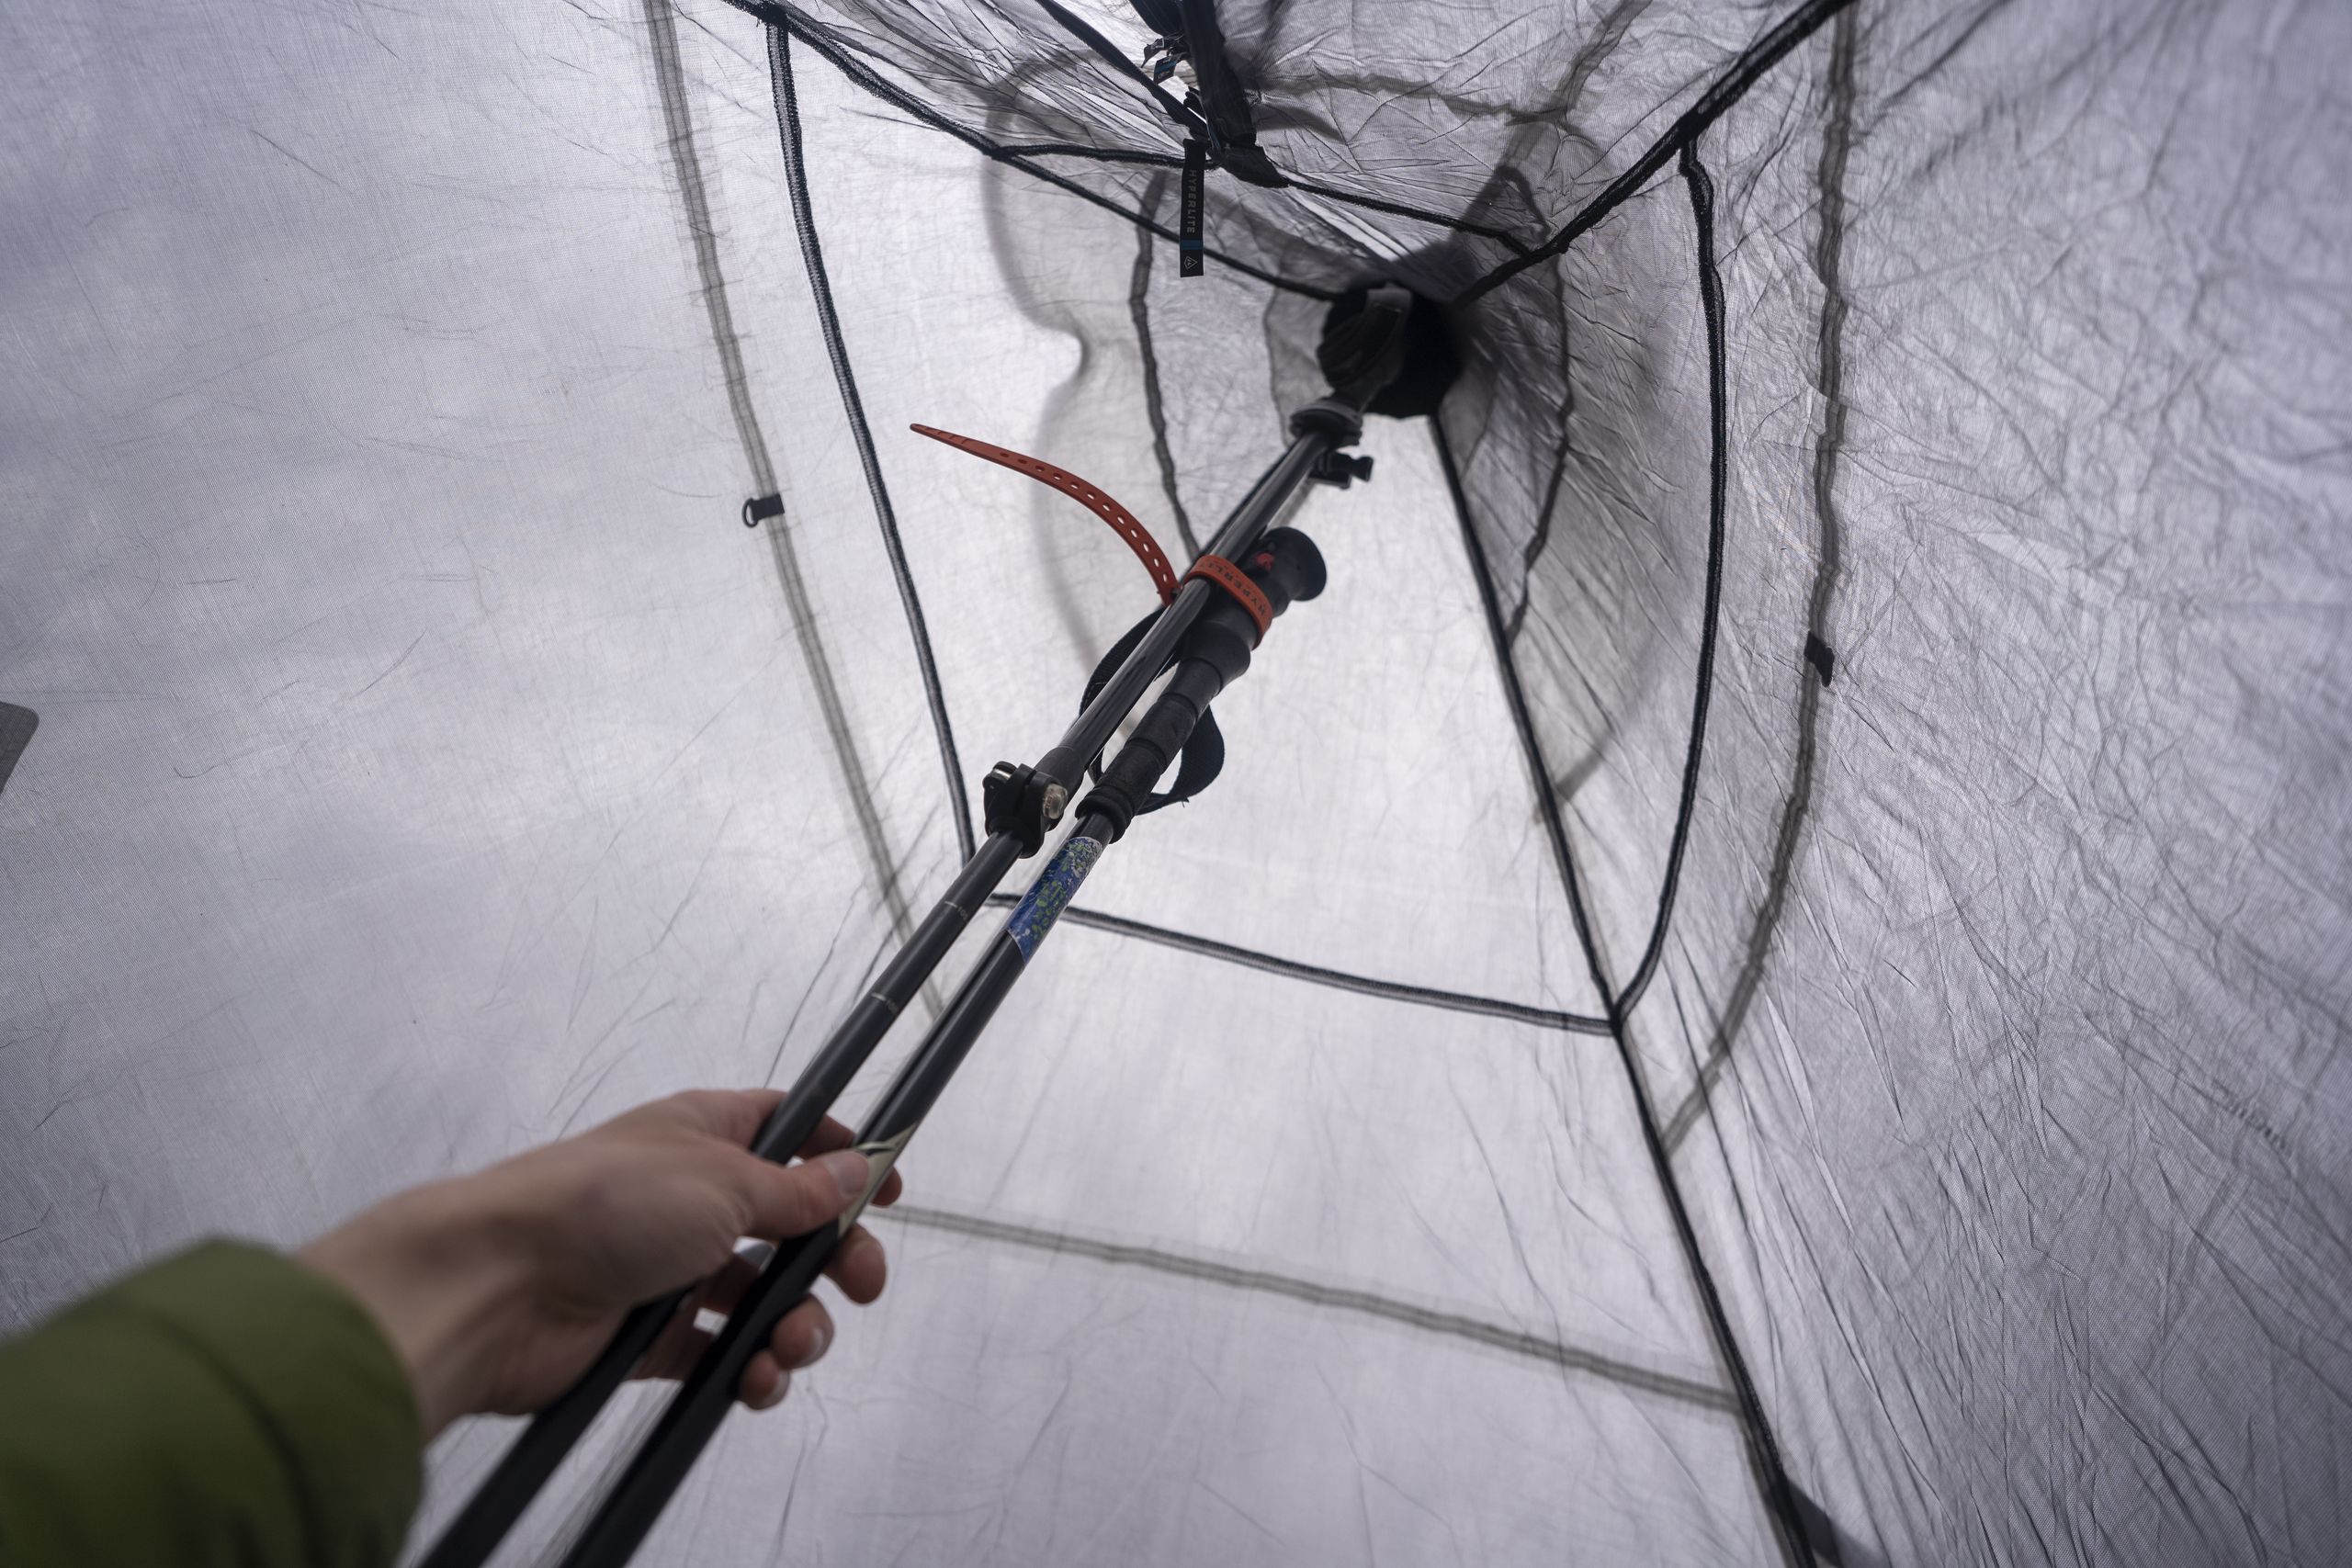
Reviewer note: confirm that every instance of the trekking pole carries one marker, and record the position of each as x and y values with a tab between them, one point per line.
1023	805
1283	566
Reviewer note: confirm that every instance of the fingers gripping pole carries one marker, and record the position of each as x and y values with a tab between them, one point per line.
693	1416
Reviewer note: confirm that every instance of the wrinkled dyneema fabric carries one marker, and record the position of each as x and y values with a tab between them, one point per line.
1765	980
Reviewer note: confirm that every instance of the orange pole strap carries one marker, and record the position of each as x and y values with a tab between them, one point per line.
1233	581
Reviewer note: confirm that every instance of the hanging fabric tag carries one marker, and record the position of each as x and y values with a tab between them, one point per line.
1194	197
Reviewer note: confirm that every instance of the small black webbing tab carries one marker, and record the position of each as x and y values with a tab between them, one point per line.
1821	656
760	508
1190	209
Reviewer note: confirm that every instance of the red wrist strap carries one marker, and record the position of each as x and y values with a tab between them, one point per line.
1092	497
1213	569
1229	577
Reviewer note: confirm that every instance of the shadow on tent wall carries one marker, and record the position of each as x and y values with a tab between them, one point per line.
16	727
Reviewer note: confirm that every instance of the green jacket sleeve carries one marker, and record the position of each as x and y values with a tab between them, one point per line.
227	1408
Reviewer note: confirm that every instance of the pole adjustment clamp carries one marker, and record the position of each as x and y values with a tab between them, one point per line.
1017	799
1339	469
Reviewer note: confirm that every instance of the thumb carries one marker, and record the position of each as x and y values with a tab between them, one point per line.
795	1199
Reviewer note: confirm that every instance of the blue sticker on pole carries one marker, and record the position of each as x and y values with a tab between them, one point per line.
1043	903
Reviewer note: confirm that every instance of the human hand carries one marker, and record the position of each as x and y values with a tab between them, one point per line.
499	1288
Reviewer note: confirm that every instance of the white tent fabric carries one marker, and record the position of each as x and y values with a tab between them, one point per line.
429	761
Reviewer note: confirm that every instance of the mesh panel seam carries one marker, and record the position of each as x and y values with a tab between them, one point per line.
1209	1270
1830	378
1683	134
821	295
678	122
1771	1476
1338	979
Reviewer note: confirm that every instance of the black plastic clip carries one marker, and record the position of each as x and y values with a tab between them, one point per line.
760	508
1017	799
1339	469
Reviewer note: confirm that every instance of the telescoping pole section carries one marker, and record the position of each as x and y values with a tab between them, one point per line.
692	1415
1284	567
694	1412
